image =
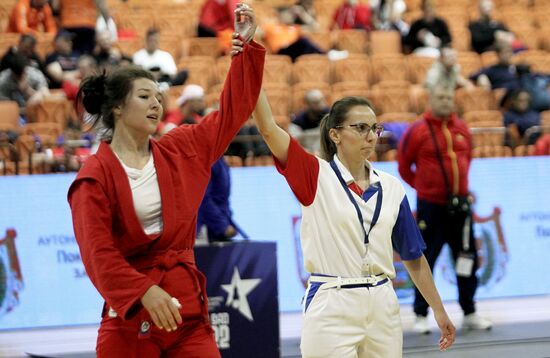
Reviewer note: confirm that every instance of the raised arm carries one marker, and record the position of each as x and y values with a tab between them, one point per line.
276	138
242	85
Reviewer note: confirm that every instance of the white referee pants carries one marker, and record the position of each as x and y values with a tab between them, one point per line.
352	323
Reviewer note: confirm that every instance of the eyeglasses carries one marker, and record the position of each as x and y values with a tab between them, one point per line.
364	128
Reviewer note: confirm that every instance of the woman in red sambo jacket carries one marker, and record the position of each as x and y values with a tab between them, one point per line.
134	206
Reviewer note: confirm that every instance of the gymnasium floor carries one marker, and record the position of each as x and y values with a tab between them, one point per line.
521	329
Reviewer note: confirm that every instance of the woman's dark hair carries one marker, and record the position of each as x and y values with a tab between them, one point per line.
100	94
337	115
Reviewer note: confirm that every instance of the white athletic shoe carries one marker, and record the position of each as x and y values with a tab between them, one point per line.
421	325
475	321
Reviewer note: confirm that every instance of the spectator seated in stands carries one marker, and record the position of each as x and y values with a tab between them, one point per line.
104	53
352	15
388	15
87	65
501	75
305	15
216	16
31	16
428	33
538	86
306	123
316	108
191	109
446	72
487	32
62	64
22	83
79	17
285	38
248	143
520	121
26	48
160	62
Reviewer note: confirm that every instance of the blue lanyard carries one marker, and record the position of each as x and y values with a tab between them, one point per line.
377	208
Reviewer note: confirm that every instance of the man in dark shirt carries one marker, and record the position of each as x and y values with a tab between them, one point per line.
26	47
502	75
485	31
316	108
429	31
62	64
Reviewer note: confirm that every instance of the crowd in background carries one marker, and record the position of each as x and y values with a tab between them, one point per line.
49	46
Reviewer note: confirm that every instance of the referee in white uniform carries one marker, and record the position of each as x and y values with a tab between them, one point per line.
353	216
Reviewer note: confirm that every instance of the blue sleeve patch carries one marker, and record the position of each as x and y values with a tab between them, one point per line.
406	238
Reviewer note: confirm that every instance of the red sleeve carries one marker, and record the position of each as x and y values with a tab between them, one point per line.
406	155
237	101
364	17
119	283
301	172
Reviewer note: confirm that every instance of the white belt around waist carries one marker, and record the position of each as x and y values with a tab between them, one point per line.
345	282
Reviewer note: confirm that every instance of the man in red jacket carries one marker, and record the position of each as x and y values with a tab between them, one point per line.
439	147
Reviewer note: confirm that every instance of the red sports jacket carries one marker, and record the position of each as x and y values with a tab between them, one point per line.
120	259
417	148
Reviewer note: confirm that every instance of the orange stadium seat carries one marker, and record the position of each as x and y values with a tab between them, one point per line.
201	46
322	39
484	118
200	70
42	128
129	47
545	118
277	69
355	68
382	42
171	44
391	117
354	41
461	38
55	110
528	35
385	85
469	62
279	98
524	150
389	68
311	68
391	100
349	88
418	67
475	99
539	60
489	58
418	97
9	118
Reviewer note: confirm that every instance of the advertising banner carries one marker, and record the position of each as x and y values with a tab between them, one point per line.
43	282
